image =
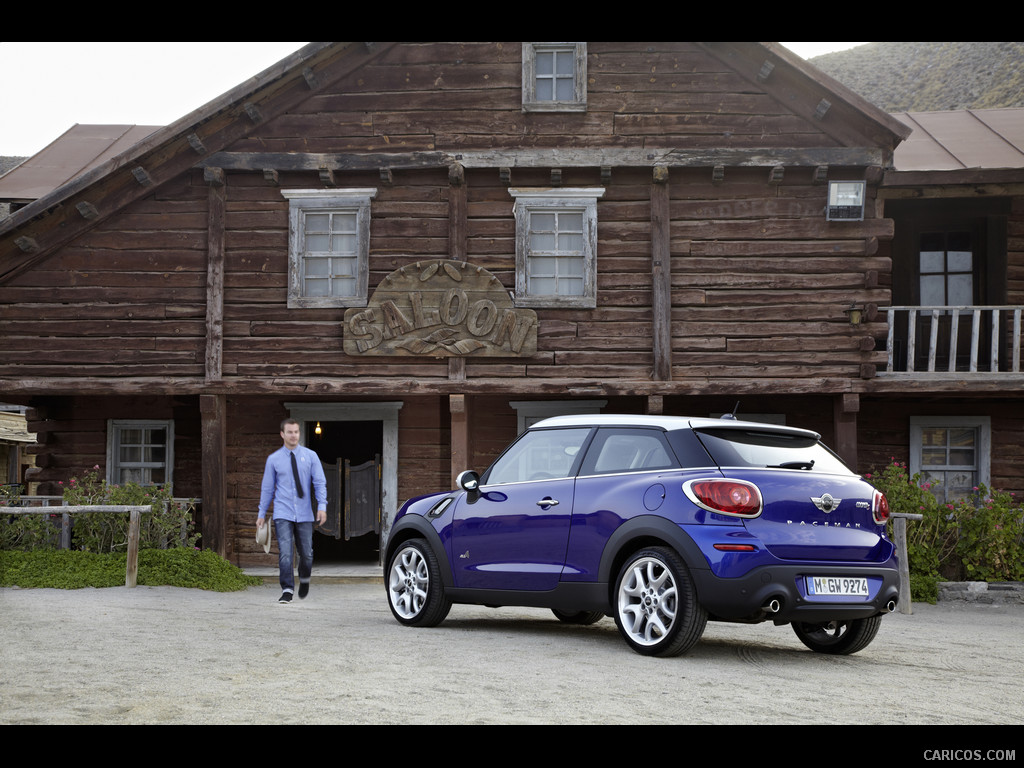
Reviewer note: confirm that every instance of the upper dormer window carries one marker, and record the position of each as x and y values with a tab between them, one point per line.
554	77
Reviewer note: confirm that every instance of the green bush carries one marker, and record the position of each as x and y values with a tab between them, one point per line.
991	543
979	538
170	523
70	569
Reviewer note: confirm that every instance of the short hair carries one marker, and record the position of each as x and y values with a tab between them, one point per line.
288	421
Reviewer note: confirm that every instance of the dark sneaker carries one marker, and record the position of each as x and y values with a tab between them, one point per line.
303	590
286	597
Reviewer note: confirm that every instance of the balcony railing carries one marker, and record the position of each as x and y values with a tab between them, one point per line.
950	340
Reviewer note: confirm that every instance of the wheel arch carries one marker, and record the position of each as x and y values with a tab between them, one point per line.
415	527
645	531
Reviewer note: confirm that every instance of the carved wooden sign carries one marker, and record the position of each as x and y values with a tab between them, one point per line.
441	308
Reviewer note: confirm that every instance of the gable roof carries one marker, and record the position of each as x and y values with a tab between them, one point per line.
33	232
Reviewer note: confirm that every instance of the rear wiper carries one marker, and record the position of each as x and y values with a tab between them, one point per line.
793	465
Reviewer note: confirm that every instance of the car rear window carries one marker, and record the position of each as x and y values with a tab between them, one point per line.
756	449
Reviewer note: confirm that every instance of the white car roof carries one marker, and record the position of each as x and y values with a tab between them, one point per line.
667	423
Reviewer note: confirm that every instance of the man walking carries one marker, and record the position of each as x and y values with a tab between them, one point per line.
289	473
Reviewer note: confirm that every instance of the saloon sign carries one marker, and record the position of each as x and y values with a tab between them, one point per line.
441	308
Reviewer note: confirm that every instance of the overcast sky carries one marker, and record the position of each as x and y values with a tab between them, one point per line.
49	87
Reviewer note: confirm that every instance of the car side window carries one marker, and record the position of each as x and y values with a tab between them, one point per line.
627	450
539	455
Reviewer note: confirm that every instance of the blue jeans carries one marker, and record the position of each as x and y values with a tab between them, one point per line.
291	536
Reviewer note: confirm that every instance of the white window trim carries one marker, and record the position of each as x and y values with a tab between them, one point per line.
301	201
529	412
982	423
579	100
583	199
114	427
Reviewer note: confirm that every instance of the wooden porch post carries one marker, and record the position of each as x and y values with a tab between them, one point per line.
213	411
661	276
844	416
459	409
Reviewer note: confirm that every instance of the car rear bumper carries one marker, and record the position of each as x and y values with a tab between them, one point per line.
778	593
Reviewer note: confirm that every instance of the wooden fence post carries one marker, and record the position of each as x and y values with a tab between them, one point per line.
132	569
899	530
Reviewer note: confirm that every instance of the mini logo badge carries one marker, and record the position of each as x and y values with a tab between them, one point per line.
825	502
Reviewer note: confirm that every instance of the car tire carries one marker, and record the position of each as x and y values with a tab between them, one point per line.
656	607
838	637
578	617
416	595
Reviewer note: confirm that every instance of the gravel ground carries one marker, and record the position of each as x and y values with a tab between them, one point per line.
163	655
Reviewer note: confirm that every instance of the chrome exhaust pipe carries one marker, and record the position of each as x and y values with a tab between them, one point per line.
890	606
772	606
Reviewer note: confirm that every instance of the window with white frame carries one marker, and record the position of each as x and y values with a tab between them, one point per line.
556	247
952	454
529	412
554	77
140	452
328	247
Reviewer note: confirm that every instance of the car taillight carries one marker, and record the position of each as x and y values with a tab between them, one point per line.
880	508
726	497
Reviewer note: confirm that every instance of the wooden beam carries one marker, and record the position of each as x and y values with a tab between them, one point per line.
213	415
142	176
972	386
458	216
458	407
87	210
197	144
214	176
310	77
27	244
661	275
215	227
844	417
506	159
253	111
655	404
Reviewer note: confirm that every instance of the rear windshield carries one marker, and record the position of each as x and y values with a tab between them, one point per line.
751	448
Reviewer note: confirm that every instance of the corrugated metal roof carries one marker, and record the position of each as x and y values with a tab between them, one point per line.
962	139
71	154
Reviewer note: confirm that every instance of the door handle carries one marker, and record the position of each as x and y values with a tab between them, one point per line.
547	503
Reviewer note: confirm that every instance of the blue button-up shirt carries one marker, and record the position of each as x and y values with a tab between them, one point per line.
279	485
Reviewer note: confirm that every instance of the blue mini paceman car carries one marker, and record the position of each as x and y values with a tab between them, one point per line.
661	522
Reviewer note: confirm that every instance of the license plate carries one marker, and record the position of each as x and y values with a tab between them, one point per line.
837	586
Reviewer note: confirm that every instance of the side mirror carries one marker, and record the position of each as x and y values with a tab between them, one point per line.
468	481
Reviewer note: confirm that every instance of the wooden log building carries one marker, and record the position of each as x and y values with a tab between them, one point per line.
417	249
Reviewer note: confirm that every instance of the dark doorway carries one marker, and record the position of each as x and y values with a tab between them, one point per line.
335	442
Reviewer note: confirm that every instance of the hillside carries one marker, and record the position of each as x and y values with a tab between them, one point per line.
930	77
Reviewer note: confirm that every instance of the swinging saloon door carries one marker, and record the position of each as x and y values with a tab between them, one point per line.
353	499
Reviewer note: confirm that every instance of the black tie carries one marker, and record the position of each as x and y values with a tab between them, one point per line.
295	474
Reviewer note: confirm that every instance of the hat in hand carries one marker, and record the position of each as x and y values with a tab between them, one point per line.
263	536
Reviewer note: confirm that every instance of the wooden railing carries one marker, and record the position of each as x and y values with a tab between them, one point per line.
54	505
967	339
134	515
